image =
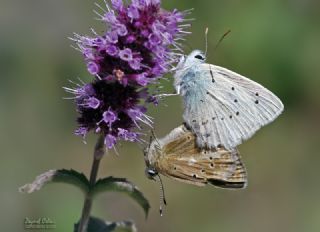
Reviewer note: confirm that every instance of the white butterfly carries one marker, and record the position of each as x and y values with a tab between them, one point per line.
221	107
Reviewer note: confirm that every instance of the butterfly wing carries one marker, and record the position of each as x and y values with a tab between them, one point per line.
182	160
225	108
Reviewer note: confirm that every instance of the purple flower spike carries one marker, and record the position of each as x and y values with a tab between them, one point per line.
141	27
135	51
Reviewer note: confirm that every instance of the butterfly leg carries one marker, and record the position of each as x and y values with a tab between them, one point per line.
211	73
168	94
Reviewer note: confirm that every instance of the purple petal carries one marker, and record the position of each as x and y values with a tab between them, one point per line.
178	16
154	39
81	131
167	38
93	68
139	3
130	39
132	137
145	33
110	141
156	2
135	114
117	4
121	29
93	103
138	24
135	63
158	27
109	117
88	53
112	50
127	135
142	79
126	54
112	37
133	12
158	70
86	90
160	53
110	17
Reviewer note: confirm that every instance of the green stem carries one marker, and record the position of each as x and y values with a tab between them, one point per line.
99	151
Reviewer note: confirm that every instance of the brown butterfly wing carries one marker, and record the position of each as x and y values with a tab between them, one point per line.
184	161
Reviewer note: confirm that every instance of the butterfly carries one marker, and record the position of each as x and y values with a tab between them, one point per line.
177	156
221	107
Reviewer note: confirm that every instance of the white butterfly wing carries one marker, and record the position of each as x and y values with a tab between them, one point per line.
225	108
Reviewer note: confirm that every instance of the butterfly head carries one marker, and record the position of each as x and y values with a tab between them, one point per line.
151	155
150	170
195	57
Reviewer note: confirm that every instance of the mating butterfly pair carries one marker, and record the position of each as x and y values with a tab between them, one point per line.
221	110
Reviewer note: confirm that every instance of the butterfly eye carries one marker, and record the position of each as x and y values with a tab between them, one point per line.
200	57
151	173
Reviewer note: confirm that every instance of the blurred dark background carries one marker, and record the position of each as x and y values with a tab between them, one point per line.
276	43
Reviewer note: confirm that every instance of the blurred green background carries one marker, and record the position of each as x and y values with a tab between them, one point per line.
274	42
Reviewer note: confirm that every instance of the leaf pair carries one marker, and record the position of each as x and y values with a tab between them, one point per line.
108	184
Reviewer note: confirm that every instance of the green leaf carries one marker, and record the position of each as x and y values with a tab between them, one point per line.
57	176
98	225
111	184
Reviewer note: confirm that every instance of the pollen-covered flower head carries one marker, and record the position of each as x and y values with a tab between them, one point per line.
139	46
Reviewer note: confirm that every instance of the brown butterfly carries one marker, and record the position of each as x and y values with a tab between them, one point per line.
178	157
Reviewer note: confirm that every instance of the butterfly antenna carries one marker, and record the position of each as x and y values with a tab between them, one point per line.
150	141
163	201
155	137
221	39
206	38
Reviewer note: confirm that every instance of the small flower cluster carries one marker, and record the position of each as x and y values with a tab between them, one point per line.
139	46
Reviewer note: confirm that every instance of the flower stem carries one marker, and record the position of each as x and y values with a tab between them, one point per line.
99	151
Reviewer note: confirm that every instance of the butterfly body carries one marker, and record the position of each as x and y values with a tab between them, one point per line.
222	108
177	156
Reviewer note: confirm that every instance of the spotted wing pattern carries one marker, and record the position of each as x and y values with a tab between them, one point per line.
182	160
225	108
